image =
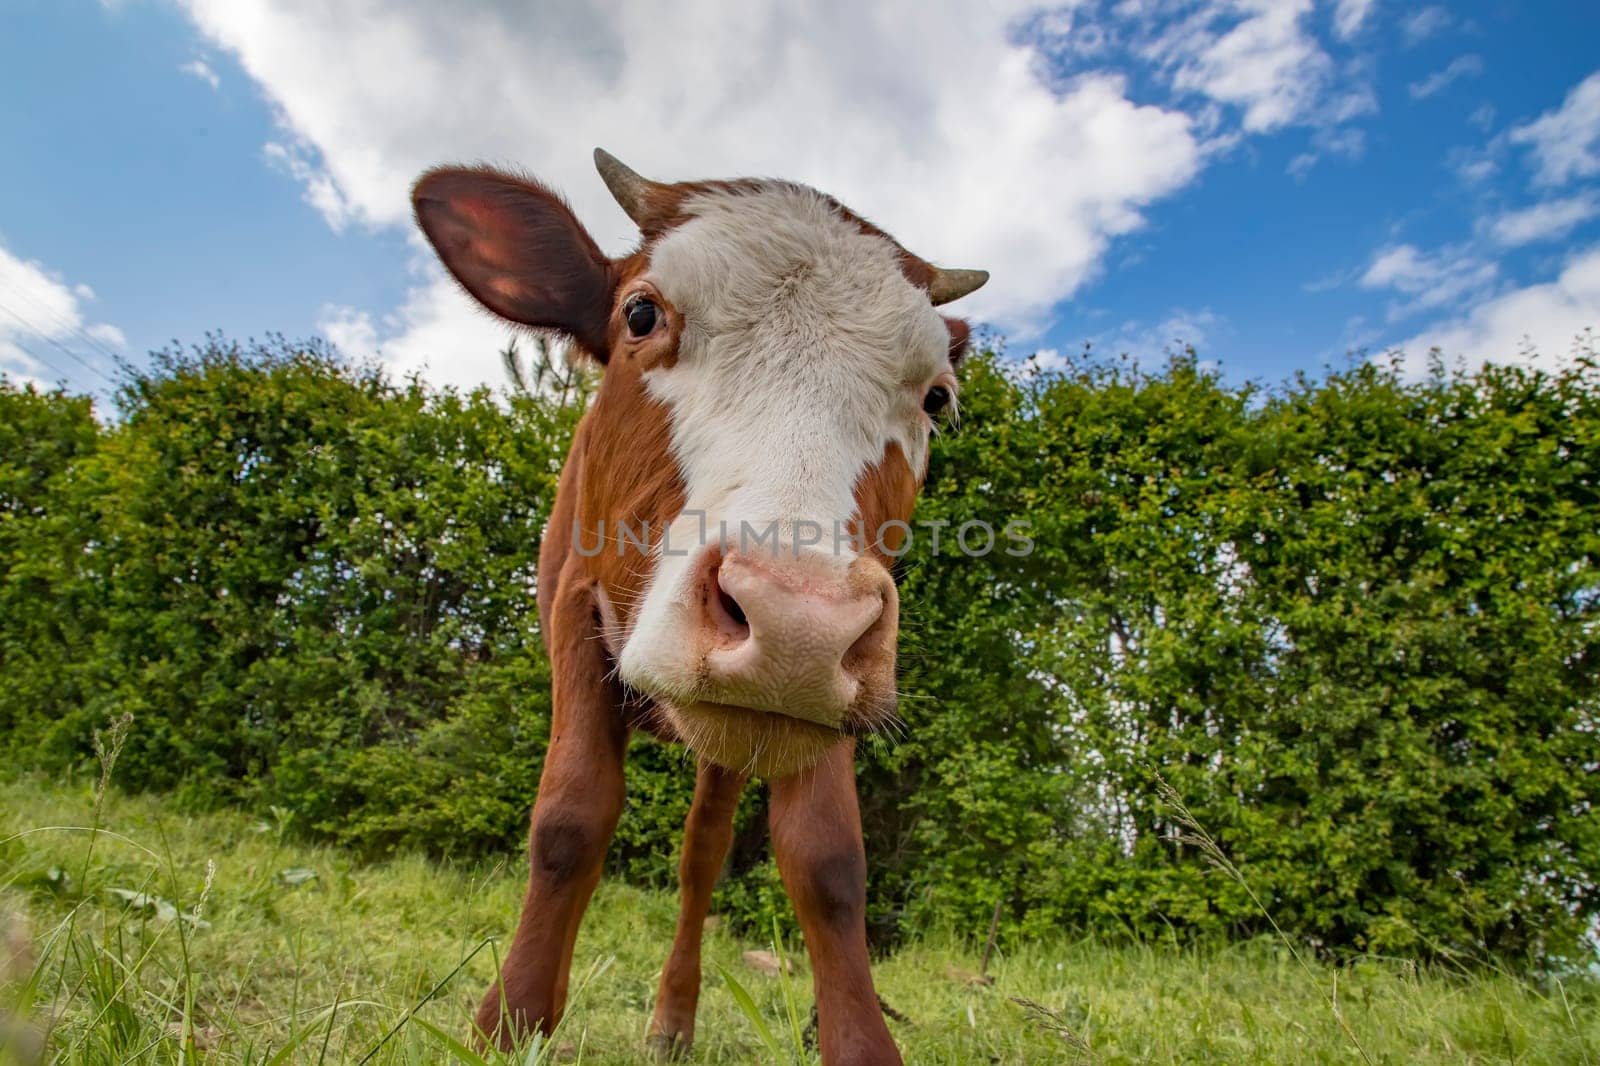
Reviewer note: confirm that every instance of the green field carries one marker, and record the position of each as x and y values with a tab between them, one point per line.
303	954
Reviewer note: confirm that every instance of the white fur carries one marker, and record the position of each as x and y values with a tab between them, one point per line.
805	352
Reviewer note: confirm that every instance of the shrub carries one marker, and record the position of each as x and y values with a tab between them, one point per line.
49	612
1351	621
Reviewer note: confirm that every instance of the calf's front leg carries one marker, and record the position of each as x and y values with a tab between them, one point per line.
707	834
580	798
816	836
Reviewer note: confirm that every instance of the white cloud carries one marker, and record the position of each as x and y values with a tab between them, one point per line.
104	333
1451	276
350	329
1473	167
1266	63
1565	142
199	68
977	135
1180	329
1142	340
932	121
1350	15
1393	266
1341	142
1464	66
1543	221
1147	343
438	333
296	158
1484	318
45	335
1424	23
1543	319
1301	165
1050	359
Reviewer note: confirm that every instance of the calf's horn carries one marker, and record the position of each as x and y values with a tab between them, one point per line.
627	187
950	285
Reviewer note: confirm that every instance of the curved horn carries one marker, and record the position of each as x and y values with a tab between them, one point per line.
628	187
950	285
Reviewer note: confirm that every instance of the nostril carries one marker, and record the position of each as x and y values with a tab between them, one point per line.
869	646
730	617
731	605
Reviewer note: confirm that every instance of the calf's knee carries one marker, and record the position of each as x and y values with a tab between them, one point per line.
834	888
562	848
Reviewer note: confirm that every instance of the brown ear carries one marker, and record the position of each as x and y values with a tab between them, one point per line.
519	250
960	335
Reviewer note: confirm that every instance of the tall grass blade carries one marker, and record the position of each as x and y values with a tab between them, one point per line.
1214	854
424	1001
747	1007
461	1052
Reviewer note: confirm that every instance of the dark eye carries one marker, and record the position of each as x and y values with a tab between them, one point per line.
642	314
936	400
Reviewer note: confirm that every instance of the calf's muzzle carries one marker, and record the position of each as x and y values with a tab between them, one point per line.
807	635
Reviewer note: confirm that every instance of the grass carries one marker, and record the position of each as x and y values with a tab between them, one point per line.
150	936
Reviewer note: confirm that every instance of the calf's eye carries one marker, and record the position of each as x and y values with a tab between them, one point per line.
642	314
936	399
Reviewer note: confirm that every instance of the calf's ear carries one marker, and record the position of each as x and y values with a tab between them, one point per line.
519	250
960	337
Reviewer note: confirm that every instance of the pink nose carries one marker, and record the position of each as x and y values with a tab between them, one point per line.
809	636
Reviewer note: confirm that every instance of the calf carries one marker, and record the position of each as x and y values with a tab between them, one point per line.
715	570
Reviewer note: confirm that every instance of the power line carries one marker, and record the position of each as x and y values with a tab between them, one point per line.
36	357
68	352
67	325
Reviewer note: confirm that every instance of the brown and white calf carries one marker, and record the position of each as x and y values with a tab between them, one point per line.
715	570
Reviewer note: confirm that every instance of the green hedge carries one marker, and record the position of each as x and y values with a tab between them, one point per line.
1352	621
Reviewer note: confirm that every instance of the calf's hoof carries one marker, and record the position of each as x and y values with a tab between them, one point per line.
667	1047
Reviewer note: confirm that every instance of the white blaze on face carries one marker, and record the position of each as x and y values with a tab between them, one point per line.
805	352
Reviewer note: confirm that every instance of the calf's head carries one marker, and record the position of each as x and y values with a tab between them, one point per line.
774	368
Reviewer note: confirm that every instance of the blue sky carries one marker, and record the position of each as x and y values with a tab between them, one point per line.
1275	182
